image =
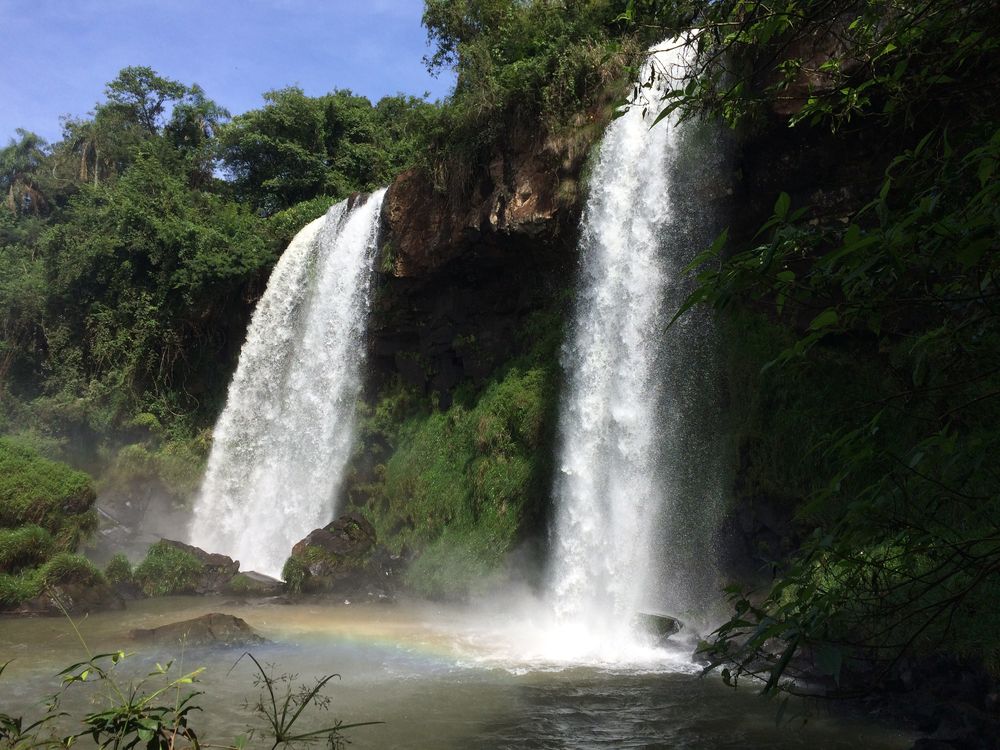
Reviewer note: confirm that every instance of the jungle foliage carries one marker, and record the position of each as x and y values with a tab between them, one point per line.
902	520
46	511
460	488
132	249
130	252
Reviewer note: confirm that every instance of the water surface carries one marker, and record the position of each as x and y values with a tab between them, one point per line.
439	677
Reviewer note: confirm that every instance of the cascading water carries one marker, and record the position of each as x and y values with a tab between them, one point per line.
635	474
282	442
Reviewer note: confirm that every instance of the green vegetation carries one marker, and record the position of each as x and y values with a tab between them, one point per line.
298	147
45	514
167	570
118	570
522	67
156	711
462	487
35	490
877	409
68	568
24	547
294	573
60	569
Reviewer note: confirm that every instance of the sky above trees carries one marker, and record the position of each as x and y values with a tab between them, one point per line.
58	55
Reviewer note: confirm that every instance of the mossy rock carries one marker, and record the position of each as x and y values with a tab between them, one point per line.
334	558
167	570
65	584
252	583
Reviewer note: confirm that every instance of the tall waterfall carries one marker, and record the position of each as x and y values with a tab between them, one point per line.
637	486
282	442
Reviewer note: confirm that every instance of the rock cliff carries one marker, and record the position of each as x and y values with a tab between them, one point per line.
460	269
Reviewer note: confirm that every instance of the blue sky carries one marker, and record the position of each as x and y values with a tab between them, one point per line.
56	55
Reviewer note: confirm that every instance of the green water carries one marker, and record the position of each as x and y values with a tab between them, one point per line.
437	677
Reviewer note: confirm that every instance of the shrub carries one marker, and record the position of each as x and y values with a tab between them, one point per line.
118	570
25	547
35	490
15	589
455	565
66	567
167	570
294	573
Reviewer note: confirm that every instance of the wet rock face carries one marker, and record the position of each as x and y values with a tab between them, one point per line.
528	190
462	268
213	629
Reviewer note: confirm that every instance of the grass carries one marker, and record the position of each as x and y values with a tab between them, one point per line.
24	547
118	569
294	574
61	568
167	570
65	567
46	511
35	490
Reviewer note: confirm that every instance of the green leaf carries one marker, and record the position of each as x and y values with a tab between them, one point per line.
782	205
825	319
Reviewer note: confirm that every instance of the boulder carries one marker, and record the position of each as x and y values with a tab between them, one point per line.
341	558
214	629
217	570
252	583
349	538
660	627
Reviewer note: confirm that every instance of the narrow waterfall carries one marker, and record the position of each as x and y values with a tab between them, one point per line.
282	442
636	490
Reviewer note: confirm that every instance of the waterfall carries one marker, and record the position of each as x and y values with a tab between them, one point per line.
282	442
637	487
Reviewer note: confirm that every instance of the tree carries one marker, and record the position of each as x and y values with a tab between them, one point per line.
296	148
19	163
143	95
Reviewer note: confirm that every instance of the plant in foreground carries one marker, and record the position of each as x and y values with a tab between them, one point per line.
280	704
154	712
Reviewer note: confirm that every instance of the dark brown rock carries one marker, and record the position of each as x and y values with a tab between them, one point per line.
350	536
529	189
342	558
213	629
72	598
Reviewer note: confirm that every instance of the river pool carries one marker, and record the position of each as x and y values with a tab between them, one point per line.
438	677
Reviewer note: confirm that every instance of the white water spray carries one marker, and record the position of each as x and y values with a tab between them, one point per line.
281	444
625	459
